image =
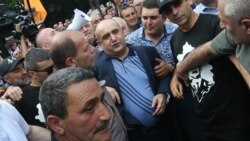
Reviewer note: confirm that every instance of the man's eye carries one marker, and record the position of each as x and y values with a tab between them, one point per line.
105	37
88	109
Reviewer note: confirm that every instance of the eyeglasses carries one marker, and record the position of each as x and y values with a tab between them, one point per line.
49	70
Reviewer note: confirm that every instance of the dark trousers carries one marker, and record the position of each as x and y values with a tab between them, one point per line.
140	133
181	121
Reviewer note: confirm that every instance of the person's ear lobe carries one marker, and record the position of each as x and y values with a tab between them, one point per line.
56	124
246	24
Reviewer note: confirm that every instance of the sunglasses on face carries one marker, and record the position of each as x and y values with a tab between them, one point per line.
49	70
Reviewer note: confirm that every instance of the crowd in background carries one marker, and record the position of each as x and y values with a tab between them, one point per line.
139	70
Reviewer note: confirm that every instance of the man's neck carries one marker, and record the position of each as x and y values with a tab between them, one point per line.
156	36
123	54
191	22
35	83
133	27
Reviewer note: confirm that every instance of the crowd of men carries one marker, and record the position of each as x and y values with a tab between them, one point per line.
139	70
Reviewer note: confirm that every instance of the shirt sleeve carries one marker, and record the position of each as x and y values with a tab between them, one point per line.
17	117
223	43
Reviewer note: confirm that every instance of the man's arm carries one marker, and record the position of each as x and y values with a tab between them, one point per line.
241	69
197	57
37	133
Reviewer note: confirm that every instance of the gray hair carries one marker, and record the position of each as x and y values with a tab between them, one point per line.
34	56
237	9
53	93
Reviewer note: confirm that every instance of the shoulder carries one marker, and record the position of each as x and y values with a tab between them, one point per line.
100	55
8	110
211	18
135	35
170	27
145	50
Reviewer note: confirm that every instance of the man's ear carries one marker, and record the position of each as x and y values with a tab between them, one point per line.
164	17
55	124
246	24
70	62
7	79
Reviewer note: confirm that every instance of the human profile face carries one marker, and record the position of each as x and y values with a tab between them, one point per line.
87	114
85	51
88	31
179	13
152	21
44	69
130	16
18	76
236	29
111	38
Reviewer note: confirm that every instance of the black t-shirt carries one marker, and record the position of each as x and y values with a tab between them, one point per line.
220	95
28	106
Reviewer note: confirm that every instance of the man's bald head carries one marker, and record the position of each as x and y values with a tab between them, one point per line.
44	38
103	24
63	47
67	46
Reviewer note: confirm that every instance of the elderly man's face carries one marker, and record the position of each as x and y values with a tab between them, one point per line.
95	20
111	38
87	115
237	30
88	31
18	76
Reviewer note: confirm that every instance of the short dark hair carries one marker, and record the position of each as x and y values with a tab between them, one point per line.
34	56
53	93
150	4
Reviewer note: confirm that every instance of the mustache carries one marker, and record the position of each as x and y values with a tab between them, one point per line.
103	126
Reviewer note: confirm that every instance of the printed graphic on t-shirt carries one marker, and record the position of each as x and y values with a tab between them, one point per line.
201	78
40	115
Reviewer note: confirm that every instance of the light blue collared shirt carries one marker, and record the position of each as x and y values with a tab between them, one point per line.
201	8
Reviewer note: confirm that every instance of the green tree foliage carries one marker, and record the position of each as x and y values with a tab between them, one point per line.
10	4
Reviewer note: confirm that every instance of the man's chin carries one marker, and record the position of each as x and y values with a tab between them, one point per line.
103	135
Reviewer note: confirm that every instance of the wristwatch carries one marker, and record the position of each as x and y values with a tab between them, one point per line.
172	66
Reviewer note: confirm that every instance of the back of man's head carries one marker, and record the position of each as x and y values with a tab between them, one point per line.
62	47
44	37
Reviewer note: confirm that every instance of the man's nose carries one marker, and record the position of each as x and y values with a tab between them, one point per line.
104	112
